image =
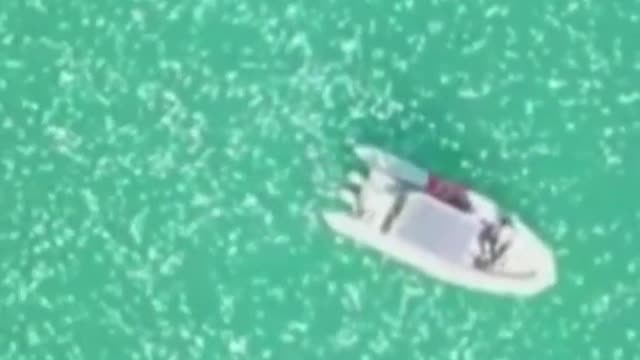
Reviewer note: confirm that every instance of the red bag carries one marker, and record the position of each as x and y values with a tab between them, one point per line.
448	192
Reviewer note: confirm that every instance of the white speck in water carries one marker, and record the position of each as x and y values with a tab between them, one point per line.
137	226
238	346
435	27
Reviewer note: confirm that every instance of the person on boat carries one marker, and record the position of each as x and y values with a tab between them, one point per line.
353	191
351	194
494	240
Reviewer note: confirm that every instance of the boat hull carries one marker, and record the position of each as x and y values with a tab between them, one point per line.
527	269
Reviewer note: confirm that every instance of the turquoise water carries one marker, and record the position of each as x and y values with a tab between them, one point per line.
162	165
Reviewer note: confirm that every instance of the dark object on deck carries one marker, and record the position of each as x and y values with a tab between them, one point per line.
449	192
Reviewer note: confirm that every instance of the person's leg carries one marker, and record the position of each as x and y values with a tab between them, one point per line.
481	262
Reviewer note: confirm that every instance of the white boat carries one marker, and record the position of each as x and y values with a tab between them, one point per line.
456	235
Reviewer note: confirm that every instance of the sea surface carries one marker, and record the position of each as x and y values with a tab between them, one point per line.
163	164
